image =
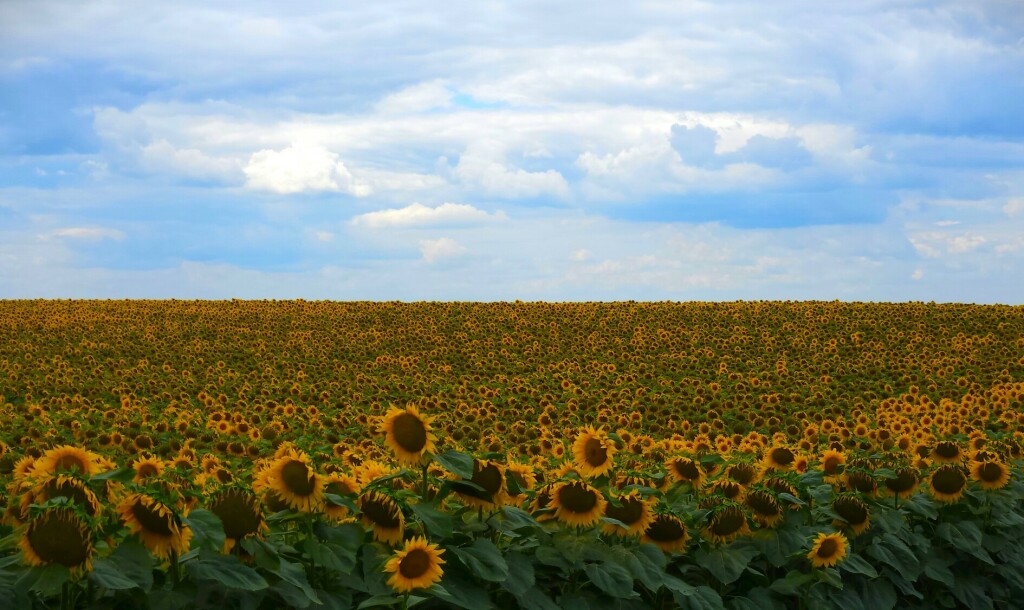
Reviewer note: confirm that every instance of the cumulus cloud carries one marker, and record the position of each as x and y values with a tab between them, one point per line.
417	98
162	156
485	171
1014	207
417	214
434	250
300	168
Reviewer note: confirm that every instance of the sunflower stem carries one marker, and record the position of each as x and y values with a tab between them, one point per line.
423	488
175	576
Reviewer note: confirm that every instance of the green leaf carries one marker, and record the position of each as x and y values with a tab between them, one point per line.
380	600
788	497
821	494
106	574
134	562
879	594
123	474
726	563
207	530
294	574
48	580
936	568
855	564
794	584
971	592
652	563
965	536
483	560
923	506
611	578
535	599
456	462
829	576
704	598
227	571
459	588
516	518
345	501
521	577
438	523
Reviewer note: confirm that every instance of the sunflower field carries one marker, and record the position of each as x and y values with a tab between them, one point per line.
293	454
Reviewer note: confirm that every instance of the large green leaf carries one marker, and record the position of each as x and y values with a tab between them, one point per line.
134	562
226	570
726	562
439	524
460	588
294	574
535	599
456	462
483	560
855	564
611	578
107	575
207	530
521	577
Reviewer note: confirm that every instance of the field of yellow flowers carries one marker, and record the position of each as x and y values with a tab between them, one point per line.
243	454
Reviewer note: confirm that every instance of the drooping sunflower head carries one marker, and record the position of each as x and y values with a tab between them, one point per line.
947	483
632	510
947	452
904	484
779	457
577	504
488	489
381	513
338	484
241	514
764	507
72	488
592	453
728	489
147	467
157	526
828	550
66	459
743	473
524	477
416	566
58	535
990	474
294	481
667	532
861	480
407	433
855	513
726	522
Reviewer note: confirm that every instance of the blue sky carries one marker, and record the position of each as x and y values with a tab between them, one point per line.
513	150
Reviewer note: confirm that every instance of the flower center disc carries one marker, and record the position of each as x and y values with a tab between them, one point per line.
488	477
296	477
629	513
727	522
595	453
666	529
58	539
828	548
990	472
380	512
410	433
414	564
150	520
687	469
238	515
948	480
577	498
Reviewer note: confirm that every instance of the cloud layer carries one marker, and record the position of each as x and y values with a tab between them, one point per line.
659	149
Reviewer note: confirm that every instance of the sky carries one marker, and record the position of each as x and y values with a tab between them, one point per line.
558	151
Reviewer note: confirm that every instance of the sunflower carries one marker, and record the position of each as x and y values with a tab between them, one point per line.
241	514
592	453
947	483
779	457
55	486
726	522
686	470
339	485
294	481
633	510
853	511
541	504
947	452
577	504
667	532
66	458
524	476
156	525
489	476
743	473
147	467
408	434
764	507
904	484
416	566
990	474
828	550
58	535
729	489
381	513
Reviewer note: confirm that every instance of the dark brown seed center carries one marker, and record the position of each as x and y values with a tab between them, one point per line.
297	478
414	564
577	498
150	520
595	453
410	433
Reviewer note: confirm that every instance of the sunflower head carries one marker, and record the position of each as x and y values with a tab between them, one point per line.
632	510
158	527
381	513
948	483
726	522
294	481
779	457
241	514
855	513
489	486
990	474
592	453
58	535
408	434
66	459
764	507
667	532
416	566
947	452
577	504
828	550
904	484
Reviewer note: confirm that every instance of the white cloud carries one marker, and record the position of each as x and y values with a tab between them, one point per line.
417	98
581	255
162	156
418	214
934	244
436	249
301	168
482	169
323	236
917	275
1014	206
88	233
